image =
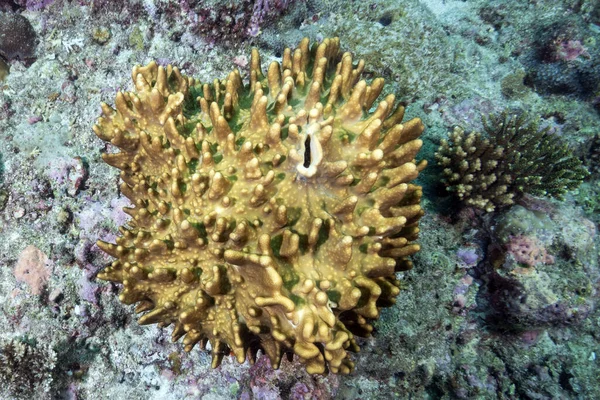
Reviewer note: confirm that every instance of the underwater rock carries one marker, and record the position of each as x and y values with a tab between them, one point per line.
564	59
17	37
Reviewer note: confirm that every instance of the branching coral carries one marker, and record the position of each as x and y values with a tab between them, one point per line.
592	155
270	216
25	369
513	158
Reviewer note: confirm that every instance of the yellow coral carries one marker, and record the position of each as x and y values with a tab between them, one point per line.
267	216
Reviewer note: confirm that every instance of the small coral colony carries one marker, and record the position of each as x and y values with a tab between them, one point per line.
272	215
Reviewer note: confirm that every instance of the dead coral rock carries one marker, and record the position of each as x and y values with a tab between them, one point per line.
527	299
17	37
592	155
32	269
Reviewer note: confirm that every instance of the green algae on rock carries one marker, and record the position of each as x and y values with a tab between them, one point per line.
268	216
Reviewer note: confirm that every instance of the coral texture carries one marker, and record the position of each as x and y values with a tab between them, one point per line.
514	158
269	216
26	370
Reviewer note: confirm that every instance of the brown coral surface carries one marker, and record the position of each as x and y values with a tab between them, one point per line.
269	216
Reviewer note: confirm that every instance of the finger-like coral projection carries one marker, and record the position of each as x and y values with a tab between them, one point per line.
514	157
267	216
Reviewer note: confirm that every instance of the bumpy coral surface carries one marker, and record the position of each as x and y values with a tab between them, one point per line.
514	157
268	216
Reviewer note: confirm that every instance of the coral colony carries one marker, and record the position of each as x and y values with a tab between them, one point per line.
513	158
267	216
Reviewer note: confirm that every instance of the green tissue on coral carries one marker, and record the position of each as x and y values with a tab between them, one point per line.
513	158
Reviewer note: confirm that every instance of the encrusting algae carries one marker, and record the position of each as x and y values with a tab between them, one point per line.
269	216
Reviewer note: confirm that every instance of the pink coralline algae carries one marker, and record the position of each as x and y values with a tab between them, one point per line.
459	303
466	114
69	174
528	251
88	290
467	257
93	218
32	268
34	5
260	11
569	50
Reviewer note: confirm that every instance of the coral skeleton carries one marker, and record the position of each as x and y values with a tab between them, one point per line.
514	157
267	216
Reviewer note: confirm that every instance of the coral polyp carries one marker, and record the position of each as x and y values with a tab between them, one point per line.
267	216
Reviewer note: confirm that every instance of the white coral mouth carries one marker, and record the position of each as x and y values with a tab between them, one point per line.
312	155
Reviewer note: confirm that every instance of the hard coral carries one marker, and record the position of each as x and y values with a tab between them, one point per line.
231	21
270	216
592	155
515	158
528	251
26	370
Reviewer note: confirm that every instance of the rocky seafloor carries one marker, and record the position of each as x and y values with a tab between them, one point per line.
478	317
